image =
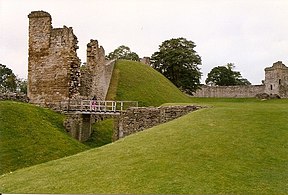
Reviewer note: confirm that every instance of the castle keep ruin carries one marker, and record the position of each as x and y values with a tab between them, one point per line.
54	71
53	65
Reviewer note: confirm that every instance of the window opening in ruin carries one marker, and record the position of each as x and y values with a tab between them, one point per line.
271	87
279	81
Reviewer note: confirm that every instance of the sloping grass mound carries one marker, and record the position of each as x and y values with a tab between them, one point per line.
232	148
135	81
31	135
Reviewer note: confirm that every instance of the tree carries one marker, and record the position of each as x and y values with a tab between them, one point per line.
178	61
22	85
225	76
8	81
123	52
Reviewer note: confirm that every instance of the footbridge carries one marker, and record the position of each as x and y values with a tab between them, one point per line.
96	106
80	114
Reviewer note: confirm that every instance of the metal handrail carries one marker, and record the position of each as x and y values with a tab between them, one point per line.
96	105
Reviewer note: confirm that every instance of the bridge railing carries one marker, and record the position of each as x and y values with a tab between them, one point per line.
96	105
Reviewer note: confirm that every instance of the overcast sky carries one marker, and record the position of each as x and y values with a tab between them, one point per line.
252	34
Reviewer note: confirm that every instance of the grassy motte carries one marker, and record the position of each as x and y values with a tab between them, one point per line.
135	81
31	135
234	147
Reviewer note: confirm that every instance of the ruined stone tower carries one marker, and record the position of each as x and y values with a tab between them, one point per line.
96	75
53	65
276	79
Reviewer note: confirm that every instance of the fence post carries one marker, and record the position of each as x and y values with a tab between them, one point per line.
114	106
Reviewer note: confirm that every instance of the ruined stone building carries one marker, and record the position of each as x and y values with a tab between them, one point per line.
54	71
53	65
96	74
275	83
55	74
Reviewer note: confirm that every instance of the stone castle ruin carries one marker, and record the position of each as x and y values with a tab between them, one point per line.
54	72
275	85
55	75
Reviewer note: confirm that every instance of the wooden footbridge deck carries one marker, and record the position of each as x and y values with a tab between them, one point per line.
96	106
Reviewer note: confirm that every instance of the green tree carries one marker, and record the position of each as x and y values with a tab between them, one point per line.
178	61
22	85
123	52
225	76
8	80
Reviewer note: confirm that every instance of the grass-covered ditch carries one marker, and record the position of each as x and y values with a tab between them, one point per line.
236	146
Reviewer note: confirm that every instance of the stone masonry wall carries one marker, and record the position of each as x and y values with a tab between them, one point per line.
276	83
239	91
96	76
137	119
53	65
21	97
78	126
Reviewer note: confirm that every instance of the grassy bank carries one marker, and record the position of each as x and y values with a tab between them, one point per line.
31	135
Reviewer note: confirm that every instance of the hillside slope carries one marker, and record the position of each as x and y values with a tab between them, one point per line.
232	148
31	135
135	81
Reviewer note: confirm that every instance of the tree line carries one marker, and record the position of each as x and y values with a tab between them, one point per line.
179	62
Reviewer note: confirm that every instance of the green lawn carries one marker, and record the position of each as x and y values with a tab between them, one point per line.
236	146
31	135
